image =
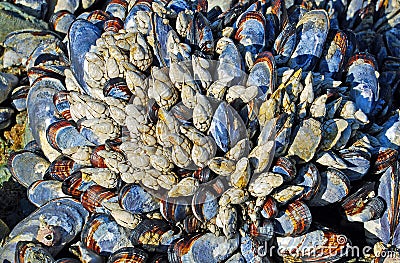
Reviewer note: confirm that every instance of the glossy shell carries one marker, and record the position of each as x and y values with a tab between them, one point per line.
295	220
42	112
362	79
61	168
205	202
128	255
313	30
263	74
334	187
27	167
81	35
62	135
103	235
93	197
43	191
64	216
135	199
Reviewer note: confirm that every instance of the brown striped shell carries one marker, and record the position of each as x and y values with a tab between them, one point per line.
384	159
61	20
285	167
262	230
117	88
93	197
175	209
60	100
103	235
128	255
191	224
74	185
269	209
205	202
61	168
114	25
295	220
98	16
363	206
95	159
148	233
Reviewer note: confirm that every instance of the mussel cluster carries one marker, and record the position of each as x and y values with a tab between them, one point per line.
178	131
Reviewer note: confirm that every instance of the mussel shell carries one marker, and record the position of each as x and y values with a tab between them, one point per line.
249	115
95	159
179	248
27	252
269	209
61	168
361	206
117	88
160	29
191	224
93	197
295	220
117	9
128	255
363	81
103	235
42	191
262	232
19	96
285	167
200	34
285	44
61	21
74	185
98	18
27	167
42	112
205	200
137	200
308	176
251	31
62	104
334	53
175	209
312	30
34	147
358	163
263	73
65	214
113	25
148	234
5	117
81	36
334	187
385	158
143	5
46	71
62	135
202	248
227	127
386	228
